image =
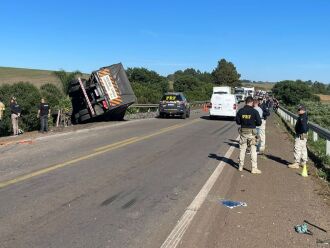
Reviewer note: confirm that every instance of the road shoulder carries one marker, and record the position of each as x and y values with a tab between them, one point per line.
276	201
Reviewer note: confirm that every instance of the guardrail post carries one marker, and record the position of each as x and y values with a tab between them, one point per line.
315	136
328	148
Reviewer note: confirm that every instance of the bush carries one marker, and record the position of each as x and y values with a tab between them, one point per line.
52	94
293	92
28	97
318	112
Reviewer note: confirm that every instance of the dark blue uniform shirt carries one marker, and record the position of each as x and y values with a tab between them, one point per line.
248	117
301	125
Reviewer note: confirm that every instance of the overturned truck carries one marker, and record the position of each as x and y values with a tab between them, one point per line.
106	95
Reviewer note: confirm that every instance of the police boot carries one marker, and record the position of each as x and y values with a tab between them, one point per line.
294	165
255	171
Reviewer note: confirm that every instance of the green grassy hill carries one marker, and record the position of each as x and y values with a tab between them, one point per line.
37	77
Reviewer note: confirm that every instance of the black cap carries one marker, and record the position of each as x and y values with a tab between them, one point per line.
301	107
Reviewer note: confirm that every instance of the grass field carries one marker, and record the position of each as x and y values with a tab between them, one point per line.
37	77
324	98
261	86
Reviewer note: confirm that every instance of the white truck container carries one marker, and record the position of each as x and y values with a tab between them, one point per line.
249	91
240	94
223	105
222	90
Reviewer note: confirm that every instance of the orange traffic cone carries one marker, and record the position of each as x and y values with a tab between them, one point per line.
205	108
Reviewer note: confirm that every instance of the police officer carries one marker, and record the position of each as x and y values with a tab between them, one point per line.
300	144
43	114
264	105
248	118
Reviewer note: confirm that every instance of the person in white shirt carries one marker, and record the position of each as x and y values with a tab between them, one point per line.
257	107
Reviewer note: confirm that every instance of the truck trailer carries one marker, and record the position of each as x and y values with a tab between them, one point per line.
106	95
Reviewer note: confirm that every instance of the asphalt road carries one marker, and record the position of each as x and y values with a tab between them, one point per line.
124	185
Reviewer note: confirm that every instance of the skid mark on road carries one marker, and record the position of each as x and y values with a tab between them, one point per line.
110	200
96	152
129	204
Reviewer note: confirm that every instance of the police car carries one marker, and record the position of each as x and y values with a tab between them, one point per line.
174	104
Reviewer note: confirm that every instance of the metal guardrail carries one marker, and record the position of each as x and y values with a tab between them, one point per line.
152	105
316	129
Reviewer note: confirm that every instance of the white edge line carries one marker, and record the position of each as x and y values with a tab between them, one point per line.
177	233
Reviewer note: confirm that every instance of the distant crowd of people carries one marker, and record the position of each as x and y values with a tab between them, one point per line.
15	114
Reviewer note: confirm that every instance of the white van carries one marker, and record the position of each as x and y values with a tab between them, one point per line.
222	89
223	105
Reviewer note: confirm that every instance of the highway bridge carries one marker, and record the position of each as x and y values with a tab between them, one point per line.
131	184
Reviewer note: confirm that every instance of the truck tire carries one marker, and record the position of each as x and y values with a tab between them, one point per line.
85	117
184	116
73	90
83	112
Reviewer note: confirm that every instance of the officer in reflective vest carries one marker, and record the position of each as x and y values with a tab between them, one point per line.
248	118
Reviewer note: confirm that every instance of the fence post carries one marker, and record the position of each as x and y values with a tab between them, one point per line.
315	136
328	148
58	118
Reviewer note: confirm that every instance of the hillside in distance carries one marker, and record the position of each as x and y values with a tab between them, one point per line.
37	77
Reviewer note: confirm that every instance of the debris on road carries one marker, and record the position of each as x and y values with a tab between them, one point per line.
323	230
325	242
303	229
28	141
233	204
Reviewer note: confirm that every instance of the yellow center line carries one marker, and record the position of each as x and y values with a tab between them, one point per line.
115	144
97	151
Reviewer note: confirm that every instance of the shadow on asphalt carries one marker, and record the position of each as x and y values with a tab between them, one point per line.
277	159
206	117
236	145
226	160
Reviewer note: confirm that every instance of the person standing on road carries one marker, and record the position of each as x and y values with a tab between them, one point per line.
257	107
300	143
15	110
248	118
265	114
43	114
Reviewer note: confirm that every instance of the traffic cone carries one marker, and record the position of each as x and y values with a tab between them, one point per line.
205	108
304	172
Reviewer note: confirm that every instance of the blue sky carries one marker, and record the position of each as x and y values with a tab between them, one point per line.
266	40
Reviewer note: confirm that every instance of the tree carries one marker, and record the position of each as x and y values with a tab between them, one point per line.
66	78
226	74
183	83
148	85
52	93
293	92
